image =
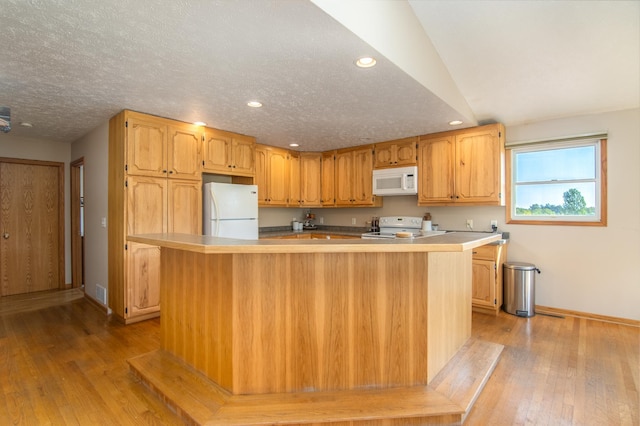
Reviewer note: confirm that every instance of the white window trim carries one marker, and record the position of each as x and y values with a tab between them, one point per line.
595	140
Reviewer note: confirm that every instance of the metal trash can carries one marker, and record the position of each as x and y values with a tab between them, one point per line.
519	288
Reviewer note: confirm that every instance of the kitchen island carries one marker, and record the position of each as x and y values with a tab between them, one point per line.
314	331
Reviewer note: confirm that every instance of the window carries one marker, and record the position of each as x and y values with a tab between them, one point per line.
560	182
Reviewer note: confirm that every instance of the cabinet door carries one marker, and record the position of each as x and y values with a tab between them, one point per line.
294	179
310	179
184	151
385	156
344	178
184	211
363	177
261	154
328	197
436	172
406	152
277	177
146	146
484	283
243	155
479	157
216	151
146	207
143	280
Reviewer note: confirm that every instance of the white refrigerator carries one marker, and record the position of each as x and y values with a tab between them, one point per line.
230	210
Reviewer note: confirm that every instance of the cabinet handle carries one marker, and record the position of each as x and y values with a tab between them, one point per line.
164	171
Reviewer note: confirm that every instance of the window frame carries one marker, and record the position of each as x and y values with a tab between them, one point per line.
601	180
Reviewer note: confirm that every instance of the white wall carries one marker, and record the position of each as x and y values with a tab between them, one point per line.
586	269
36	149
94	148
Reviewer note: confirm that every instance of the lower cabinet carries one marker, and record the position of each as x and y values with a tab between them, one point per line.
487	278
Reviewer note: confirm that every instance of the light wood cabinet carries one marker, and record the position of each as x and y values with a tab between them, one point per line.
295	197
327	186
162	148
354	177
397	153
272	176
154	186
464	167
310	179
487	278
228	153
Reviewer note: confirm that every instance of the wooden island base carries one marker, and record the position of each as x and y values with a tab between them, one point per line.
447	399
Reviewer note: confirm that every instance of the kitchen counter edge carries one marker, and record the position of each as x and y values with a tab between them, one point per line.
450	242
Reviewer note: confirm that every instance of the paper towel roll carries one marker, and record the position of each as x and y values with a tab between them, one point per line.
426	225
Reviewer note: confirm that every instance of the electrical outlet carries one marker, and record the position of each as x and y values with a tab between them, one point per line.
470	223
494	223
321	220
353	220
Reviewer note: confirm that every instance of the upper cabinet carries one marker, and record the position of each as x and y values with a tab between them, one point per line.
398	153
272	176
160	147
228	153
327	185
310	179
354	177
464	167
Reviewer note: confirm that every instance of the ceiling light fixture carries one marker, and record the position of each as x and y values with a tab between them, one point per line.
254	104
25	124
199	123
293	145
455	123
366	62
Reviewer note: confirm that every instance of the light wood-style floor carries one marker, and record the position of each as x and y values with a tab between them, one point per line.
66	365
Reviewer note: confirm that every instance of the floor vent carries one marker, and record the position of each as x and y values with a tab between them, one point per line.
101	294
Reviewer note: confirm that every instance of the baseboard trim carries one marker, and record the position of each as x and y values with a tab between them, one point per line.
586	315
95	303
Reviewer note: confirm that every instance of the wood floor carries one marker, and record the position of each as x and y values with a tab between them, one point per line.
66	365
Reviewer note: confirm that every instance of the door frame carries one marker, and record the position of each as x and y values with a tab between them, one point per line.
60	166
77	246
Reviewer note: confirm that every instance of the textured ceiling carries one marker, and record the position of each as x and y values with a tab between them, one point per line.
68	66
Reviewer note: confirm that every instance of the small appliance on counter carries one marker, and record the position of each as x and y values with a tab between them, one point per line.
308	222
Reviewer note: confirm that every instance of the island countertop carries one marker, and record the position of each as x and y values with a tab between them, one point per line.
449	242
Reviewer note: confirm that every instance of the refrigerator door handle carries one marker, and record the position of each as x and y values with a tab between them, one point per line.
216	210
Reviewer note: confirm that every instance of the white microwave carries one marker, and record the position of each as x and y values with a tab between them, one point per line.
395	181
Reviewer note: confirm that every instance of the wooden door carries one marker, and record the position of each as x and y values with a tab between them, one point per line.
406	152
184	207
32	226
146	145
243	155
146	214
479	167
344	178
484	283
436	177
294	179
363	177
217	151
184	150
261	153
310	179
328	179
278	177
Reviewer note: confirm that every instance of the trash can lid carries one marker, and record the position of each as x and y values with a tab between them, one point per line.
521	266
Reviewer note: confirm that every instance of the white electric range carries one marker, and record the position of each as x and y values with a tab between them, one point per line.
400	227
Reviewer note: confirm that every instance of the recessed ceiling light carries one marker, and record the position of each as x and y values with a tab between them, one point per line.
293	145
366	62
200	123
25	124
254	104
455	123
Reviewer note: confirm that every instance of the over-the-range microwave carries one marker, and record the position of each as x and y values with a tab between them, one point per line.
395	181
